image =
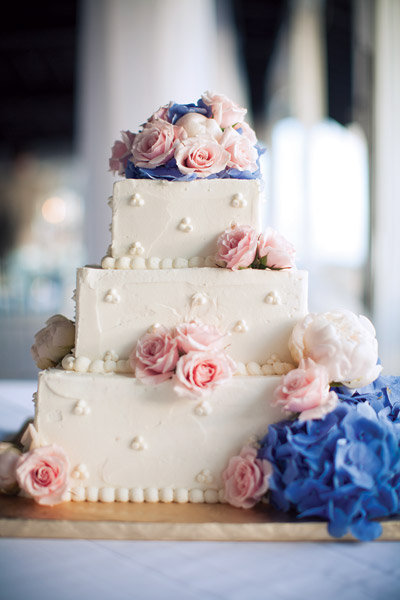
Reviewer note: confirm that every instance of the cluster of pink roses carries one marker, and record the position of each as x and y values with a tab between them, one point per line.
191	354
241	247
42	473
201	144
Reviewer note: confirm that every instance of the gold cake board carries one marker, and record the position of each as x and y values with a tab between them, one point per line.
22	518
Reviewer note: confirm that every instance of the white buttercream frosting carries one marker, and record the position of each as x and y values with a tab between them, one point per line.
181	448
202	208
231	301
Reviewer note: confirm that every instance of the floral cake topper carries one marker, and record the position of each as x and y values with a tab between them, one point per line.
209	139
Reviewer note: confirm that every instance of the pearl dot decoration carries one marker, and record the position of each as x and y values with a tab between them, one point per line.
80	472
80	493
81	408
136	249
68	362
138	443
123	262
108	262
185	225
272	298
203	409
135	262
112	297
196	496
204	476
238	201
166	495
211	496
111	355
198	299
136	200
107	494
241	327
151	494
82	364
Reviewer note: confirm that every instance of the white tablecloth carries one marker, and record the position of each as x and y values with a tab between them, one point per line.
112	570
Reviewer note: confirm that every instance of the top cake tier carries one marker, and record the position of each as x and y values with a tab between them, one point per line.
158	223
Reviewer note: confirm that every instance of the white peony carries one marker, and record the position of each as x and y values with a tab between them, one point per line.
9	456
53	342
196	124
342	342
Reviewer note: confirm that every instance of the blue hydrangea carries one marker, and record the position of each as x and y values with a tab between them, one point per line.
176	111
344	468
170	172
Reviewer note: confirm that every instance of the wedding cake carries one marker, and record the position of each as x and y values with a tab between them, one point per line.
193	372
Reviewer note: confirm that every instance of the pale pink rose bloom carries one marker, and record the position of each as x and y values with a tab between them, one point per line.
243	154
9	456
155	356
341	341
247	132
305	390
196	124
43	474
246	478
279	253
155	144
121	152
195	336
237	247
199	373
161	113
224	111
200	155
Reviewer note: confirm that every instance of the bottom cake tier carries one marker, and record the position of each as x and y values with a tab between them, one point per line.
130	442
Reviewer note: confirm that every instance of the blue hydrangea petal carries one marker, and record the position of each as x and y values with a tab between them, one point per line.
338	524
366	530
176	111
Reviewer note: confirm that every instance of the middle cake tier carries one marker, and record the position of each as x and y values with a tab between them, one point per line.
256	309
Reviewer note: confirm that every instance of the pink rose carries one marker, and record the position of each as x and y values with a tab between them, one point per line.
237	247
199	373
155	356
224	111
155	144
121	152
195	336
43	474
200	155
305	390
278	252
246	478
161	113
247	132
243	154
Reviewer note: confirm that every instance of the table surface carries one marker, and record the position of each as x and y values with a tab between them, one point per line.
64	569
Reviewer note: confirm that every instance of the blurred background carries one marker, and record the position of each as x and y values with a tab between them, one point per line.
321	79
